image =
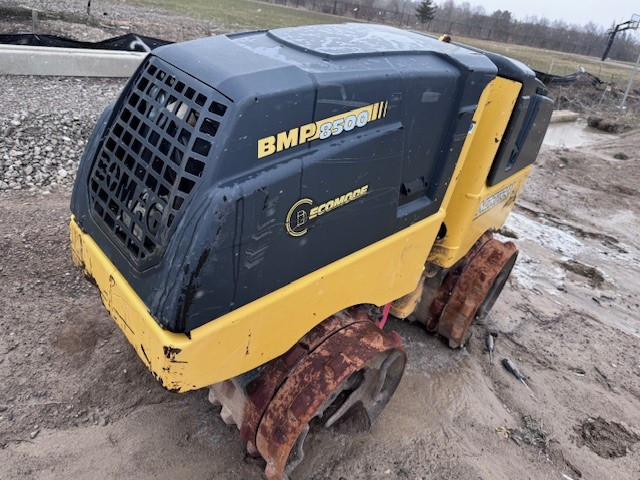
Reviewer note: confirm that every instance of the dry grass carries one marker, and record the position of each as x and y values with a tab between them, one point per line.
559	63
236	15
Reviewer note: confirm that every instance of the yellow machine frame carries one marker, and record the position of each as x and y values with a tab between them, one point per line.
380	273
476	207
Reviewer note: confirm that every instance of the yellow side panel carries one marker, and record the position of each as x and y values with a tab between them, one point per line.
473	207
259	331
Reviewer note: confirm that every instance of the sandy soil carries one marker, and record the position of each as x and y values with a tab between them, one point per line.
77	403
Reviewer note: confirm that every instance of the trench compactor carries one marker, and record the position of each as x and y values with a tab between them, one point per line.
253	206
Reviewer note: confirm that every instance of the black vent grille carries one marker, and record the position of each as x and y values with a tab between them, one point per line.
153	157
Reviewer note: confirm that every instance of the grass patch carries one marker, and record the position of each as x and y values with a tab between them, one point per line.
238	15
563	63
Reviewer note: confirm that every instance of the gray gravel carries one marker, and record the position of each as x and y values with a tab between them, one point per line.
45	121
44	127
100	8
108	18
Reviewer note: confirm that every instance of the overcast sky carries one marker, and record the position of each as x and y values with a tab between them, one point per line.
602	12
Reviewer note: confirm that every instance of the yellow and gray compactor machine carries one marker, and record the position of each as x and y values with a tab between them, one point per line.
254	205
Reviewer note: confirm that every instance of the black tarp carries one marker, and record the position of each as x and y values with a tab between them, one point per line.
130	42
584	76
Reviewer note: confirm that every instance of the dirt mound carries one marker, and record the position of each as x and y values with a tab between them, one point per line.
606	439
592	274
600	101
610	124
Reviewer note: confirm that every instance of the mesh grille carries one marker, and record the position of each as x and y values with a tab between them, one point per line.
153	157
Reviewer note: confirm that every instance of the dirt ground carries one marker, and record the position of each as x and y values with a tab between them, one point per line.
76	402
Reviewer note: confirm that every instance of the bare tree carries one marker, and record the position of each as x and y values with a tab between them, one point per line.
461	19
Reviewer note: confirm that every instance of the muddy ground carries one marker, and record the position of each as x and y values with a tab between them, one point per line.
75	401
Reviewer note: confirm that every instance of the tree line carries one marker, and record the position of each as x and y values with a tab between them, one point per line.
474	21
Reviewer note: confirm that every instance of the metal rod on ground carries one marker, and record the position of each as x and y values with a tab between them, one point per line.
604	92
34	21
513	369
630	84
88	7
489	341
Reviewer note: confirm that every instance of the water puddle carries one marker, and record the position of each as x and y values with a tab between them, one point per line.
600	269
573	134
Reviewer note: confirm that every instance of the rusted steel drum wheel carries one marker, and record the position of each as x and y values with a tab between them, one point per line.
346	366
469	290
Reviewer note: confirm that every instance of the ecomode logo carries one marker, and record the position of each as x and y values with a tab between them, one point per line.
303	212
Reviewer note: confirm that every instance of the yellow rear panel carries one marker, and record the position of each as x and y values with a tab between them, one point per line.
264	329
474	207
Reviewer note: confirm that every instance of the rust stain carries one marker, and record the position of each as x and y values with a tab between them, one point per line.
246	352
473	286
433	314
341	352
261	390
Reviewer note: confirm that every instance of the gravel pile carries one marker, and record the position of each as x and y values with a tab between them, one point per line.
108	19
78	8
45	121
41	150
45	128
